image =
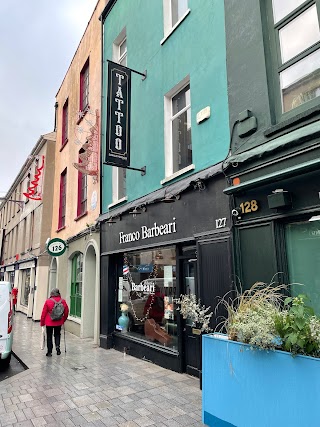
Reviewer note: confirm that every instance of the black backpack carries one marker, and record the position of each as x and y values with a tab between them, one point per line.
58	310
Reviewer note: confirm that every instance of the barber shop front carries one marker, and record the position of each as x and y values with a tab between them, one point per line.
152	254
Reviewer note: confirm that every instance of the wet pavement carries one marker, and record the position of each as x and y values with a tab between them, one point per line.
15	368
90	386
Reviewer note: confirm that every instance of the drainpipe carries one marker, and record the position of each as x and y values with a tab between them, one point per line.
55	116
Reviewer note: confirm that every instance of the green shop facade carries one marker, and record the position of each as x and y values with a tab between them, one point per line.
273	165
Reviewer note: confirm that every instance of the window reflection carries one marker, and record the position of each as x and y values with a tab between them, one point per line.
300	82
301	33
149	290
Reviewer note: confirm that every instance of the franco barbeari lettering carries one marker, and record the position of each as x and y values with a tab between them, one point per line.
147	233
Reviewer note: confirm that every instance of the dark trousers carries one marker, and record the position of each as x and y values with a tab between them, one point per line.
56	330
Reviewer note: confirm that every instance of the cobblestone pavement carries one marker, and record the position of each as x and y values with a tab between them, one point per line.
90	386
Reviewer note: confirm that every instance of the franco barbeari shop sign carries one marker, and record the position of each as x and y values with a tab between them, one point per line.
148	232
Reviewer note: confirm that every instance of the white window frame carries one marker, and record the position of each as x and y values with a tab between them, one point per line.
168	28
116	57
168	143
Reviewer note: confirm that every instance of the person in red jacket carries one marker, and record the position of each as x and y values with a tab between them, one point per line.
53	326
14	293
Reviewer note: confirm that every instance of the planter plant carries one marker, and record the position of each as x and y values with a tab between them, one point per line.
197	314
264	370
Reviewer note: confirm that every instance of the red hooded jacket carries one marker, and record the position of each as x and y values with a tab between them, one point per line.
47	309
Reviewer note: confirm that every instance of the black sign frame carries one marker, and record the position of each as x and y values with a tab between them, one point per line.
118	115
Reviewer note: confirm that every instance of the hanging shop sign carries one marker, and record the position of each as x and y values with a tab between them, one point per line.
34	190
118	115
56	247
89	153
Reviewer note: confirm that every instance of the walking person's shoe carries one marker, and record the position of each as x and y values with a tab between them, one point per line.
58	351
49	354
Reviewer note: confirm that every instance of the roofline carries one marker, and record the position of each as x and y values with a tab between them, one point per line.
36	149
77	48
107	10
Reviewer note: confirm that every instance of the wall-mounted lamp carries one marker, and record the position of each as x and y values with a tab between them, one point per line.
198	184
138	210
315	218
279	199
170	198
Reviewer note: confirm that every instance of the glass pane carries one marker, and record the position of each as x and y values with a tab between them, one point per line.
301	82
181	100
149	290
178	9
299	34
121	183
123	61
303	249
123	47
181	141
282	8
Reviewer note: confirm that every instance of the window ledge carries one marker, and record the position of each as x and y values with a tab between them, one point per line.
61	228
295	120
183	17
74	319
176	174
117	202
81	215
62	146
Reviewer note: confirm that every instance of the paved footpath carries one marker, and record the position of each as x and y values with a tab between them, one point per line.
90	386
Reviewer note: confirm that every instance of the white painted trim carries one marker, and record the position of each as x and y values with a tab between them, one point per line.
168	126
178	173
117	202
183	17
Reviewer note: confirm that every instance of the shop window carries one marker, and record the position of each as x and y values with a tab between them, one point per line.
296	53
76	285
178	144
24	300
148	288
303	254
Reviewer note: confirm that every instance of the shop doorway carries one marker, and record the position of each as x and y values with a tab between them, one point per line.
191	340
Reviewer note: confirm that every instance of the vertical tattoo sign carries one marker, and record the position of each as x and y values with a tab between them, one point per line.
118	115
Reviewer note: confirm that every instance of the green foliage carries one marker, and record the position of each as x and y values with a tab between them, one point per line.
297	326
263	317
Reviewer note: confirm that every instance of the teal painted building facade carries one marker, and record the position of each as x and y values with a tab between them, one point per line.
179	130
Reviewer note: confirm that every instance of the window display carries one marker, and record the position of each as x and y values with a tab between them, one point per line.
148	288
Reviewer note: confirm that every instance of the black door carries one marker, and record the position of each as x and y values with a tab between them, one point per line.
191	337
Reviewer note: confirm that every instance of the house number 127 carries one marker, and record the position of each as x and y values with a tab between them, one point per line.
221	222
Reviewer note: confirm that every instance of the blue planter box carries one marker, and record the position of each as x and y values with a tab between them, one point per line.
253	388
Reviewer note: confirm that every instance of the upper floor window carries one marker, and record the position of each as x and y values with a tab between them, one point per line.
82	192
178	144
62	200
174	11
296	24
65	124
122	53
84	87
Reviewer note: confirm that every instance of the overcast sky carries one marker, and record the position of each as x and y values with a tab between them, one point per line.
38	39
